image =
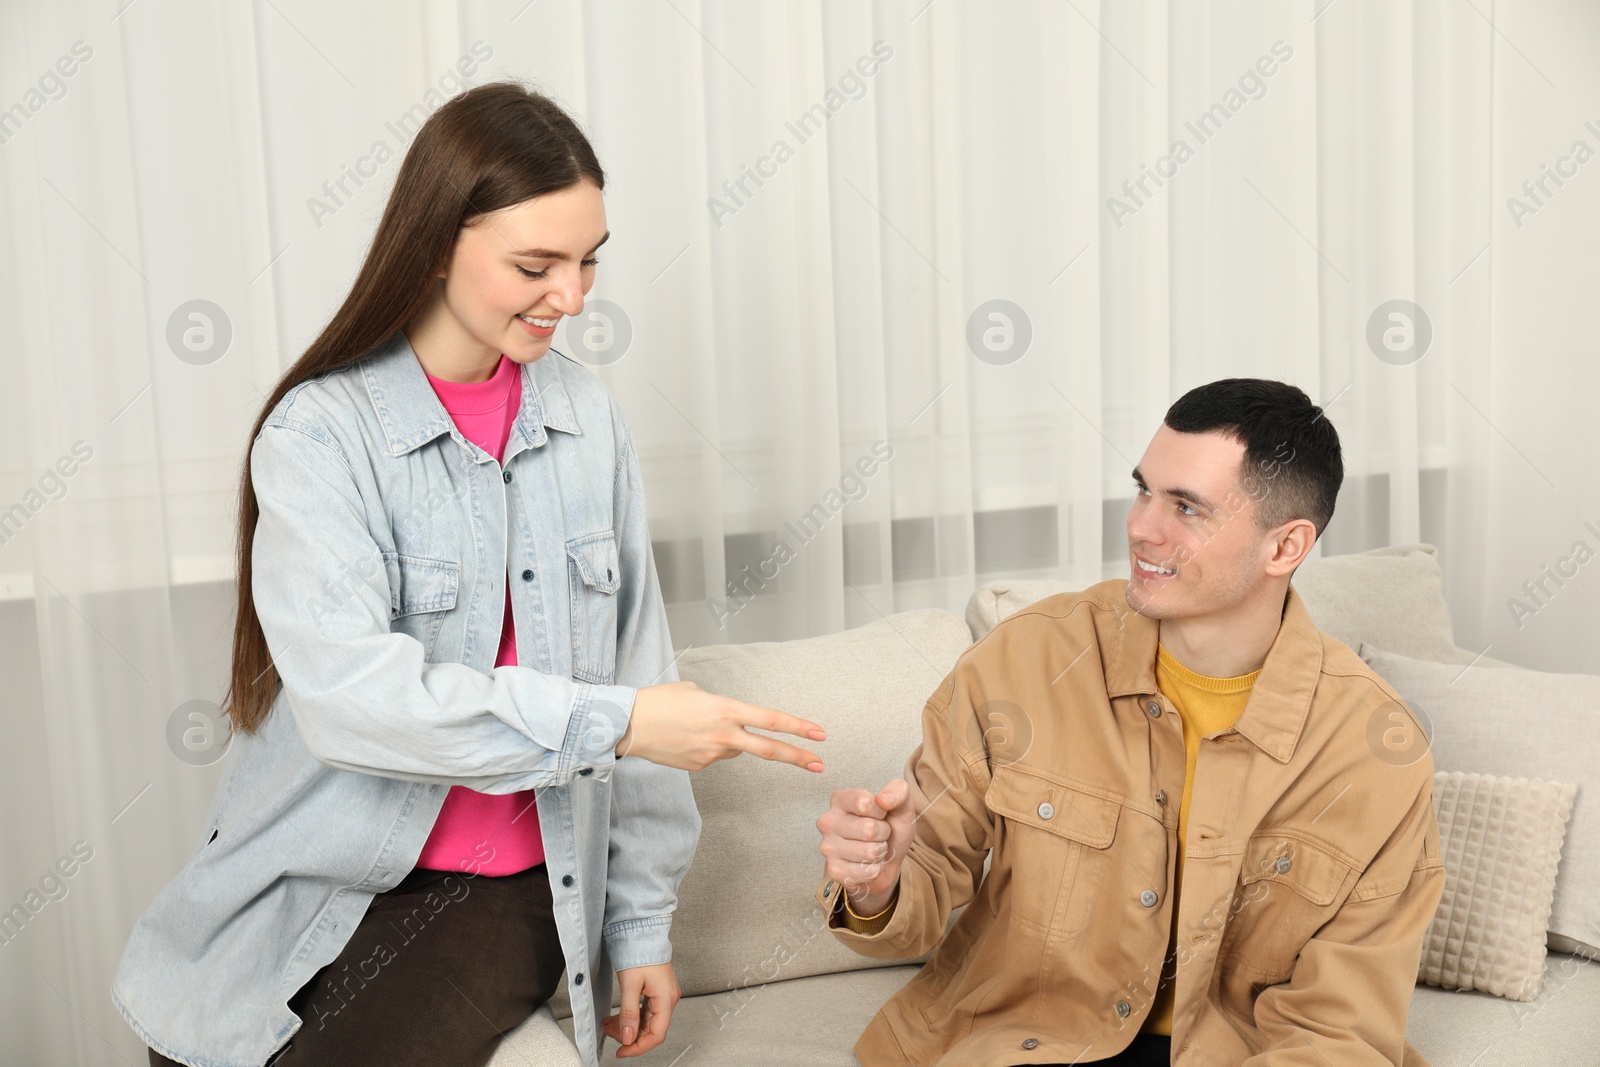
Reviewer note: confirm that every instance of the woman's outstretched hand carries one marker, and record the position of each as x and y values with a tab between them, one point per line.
681	725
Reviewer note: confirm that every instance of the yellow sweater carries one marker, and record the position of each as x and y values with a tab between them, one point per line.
1205	705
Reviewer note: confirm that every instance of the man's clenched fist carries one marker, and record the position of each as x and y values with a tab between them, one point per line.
864	840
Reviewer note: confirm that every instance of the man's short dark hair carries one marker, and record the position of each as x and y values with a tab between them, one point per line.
1292	464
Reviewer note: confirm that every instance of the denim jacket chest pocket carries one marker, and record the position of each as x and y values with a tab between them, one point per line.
421	592
1054	846
594	576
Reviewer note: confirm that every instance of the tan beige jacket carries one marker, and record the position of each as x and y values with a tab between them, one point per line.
1311	875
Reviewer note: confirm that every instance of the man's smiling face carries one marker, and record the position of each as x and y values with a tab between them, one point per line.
1191	518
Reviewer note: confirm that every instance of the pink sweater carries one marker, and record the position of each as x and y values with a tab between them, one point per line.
508	823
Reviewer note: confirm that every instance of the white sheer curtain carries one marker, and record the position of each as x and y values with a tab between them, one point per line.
813	207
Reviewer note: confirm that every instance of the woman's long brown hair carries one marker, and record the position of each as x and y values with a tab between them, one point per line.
489	148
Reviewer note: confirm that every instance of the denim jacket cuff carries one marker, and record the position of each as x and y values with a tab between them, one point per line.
639	942
597	724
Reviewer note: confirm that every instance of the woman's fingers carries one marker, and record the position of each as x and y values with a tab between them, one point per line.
679	725
780	722
658	1016
777	751
624	1027
745	715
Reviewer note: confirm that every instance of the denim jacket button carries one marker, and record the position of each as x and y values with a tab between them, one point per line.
567	880
1148	898
586	772
1123	1009
1047	810
527	576
1283	864
506	475
1030	1043
1154	709
577	979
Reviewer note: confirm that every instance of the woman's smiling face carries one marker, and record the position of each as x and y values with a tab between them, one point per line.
515	273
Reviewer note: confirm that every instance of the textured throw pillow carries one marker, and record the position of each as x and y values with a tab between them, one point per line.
1501	843
1526	724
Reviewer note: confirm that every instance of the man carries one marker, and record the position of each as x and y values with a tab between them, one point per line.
1209	827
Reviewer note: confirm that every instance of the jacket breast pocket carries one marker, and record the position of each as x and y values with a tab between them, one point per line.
421	592
1053	850
594	576
1289	887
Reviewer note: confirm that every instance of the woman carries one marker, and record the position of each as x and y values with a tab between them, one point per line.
449	629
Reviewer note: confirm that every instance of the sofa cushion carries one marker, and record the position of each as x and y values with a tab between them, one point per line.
1500	841
1393	597
1454	1029
1526	724
539	1039
746	914
814	1022
803	1022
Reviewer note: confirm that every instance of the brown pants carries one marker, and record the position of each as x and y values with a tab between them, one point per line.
439	968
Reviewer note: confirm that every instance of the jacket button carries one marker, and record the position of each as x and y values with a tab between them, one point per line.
586	772
506	475
1154	708
577	979
1047	810
566	880
1030	1043
527	576
1148	898
1161	796
1283	864
1123	1009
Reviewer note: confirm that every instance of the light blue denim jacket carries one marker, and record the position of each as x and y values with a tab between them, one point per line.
383	538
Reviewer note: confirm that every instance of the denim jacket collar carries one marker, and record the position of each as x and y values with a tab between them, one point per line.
1279	701
411	415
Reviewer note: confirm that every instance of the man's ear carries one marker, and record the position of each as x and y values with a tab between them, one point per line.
1292	543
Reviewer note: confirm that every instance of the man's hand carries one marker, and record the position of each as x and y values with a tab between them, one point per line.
864	840
658	987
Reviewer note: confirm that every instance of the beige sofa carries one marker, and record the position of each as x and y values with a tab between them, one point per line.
764	983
